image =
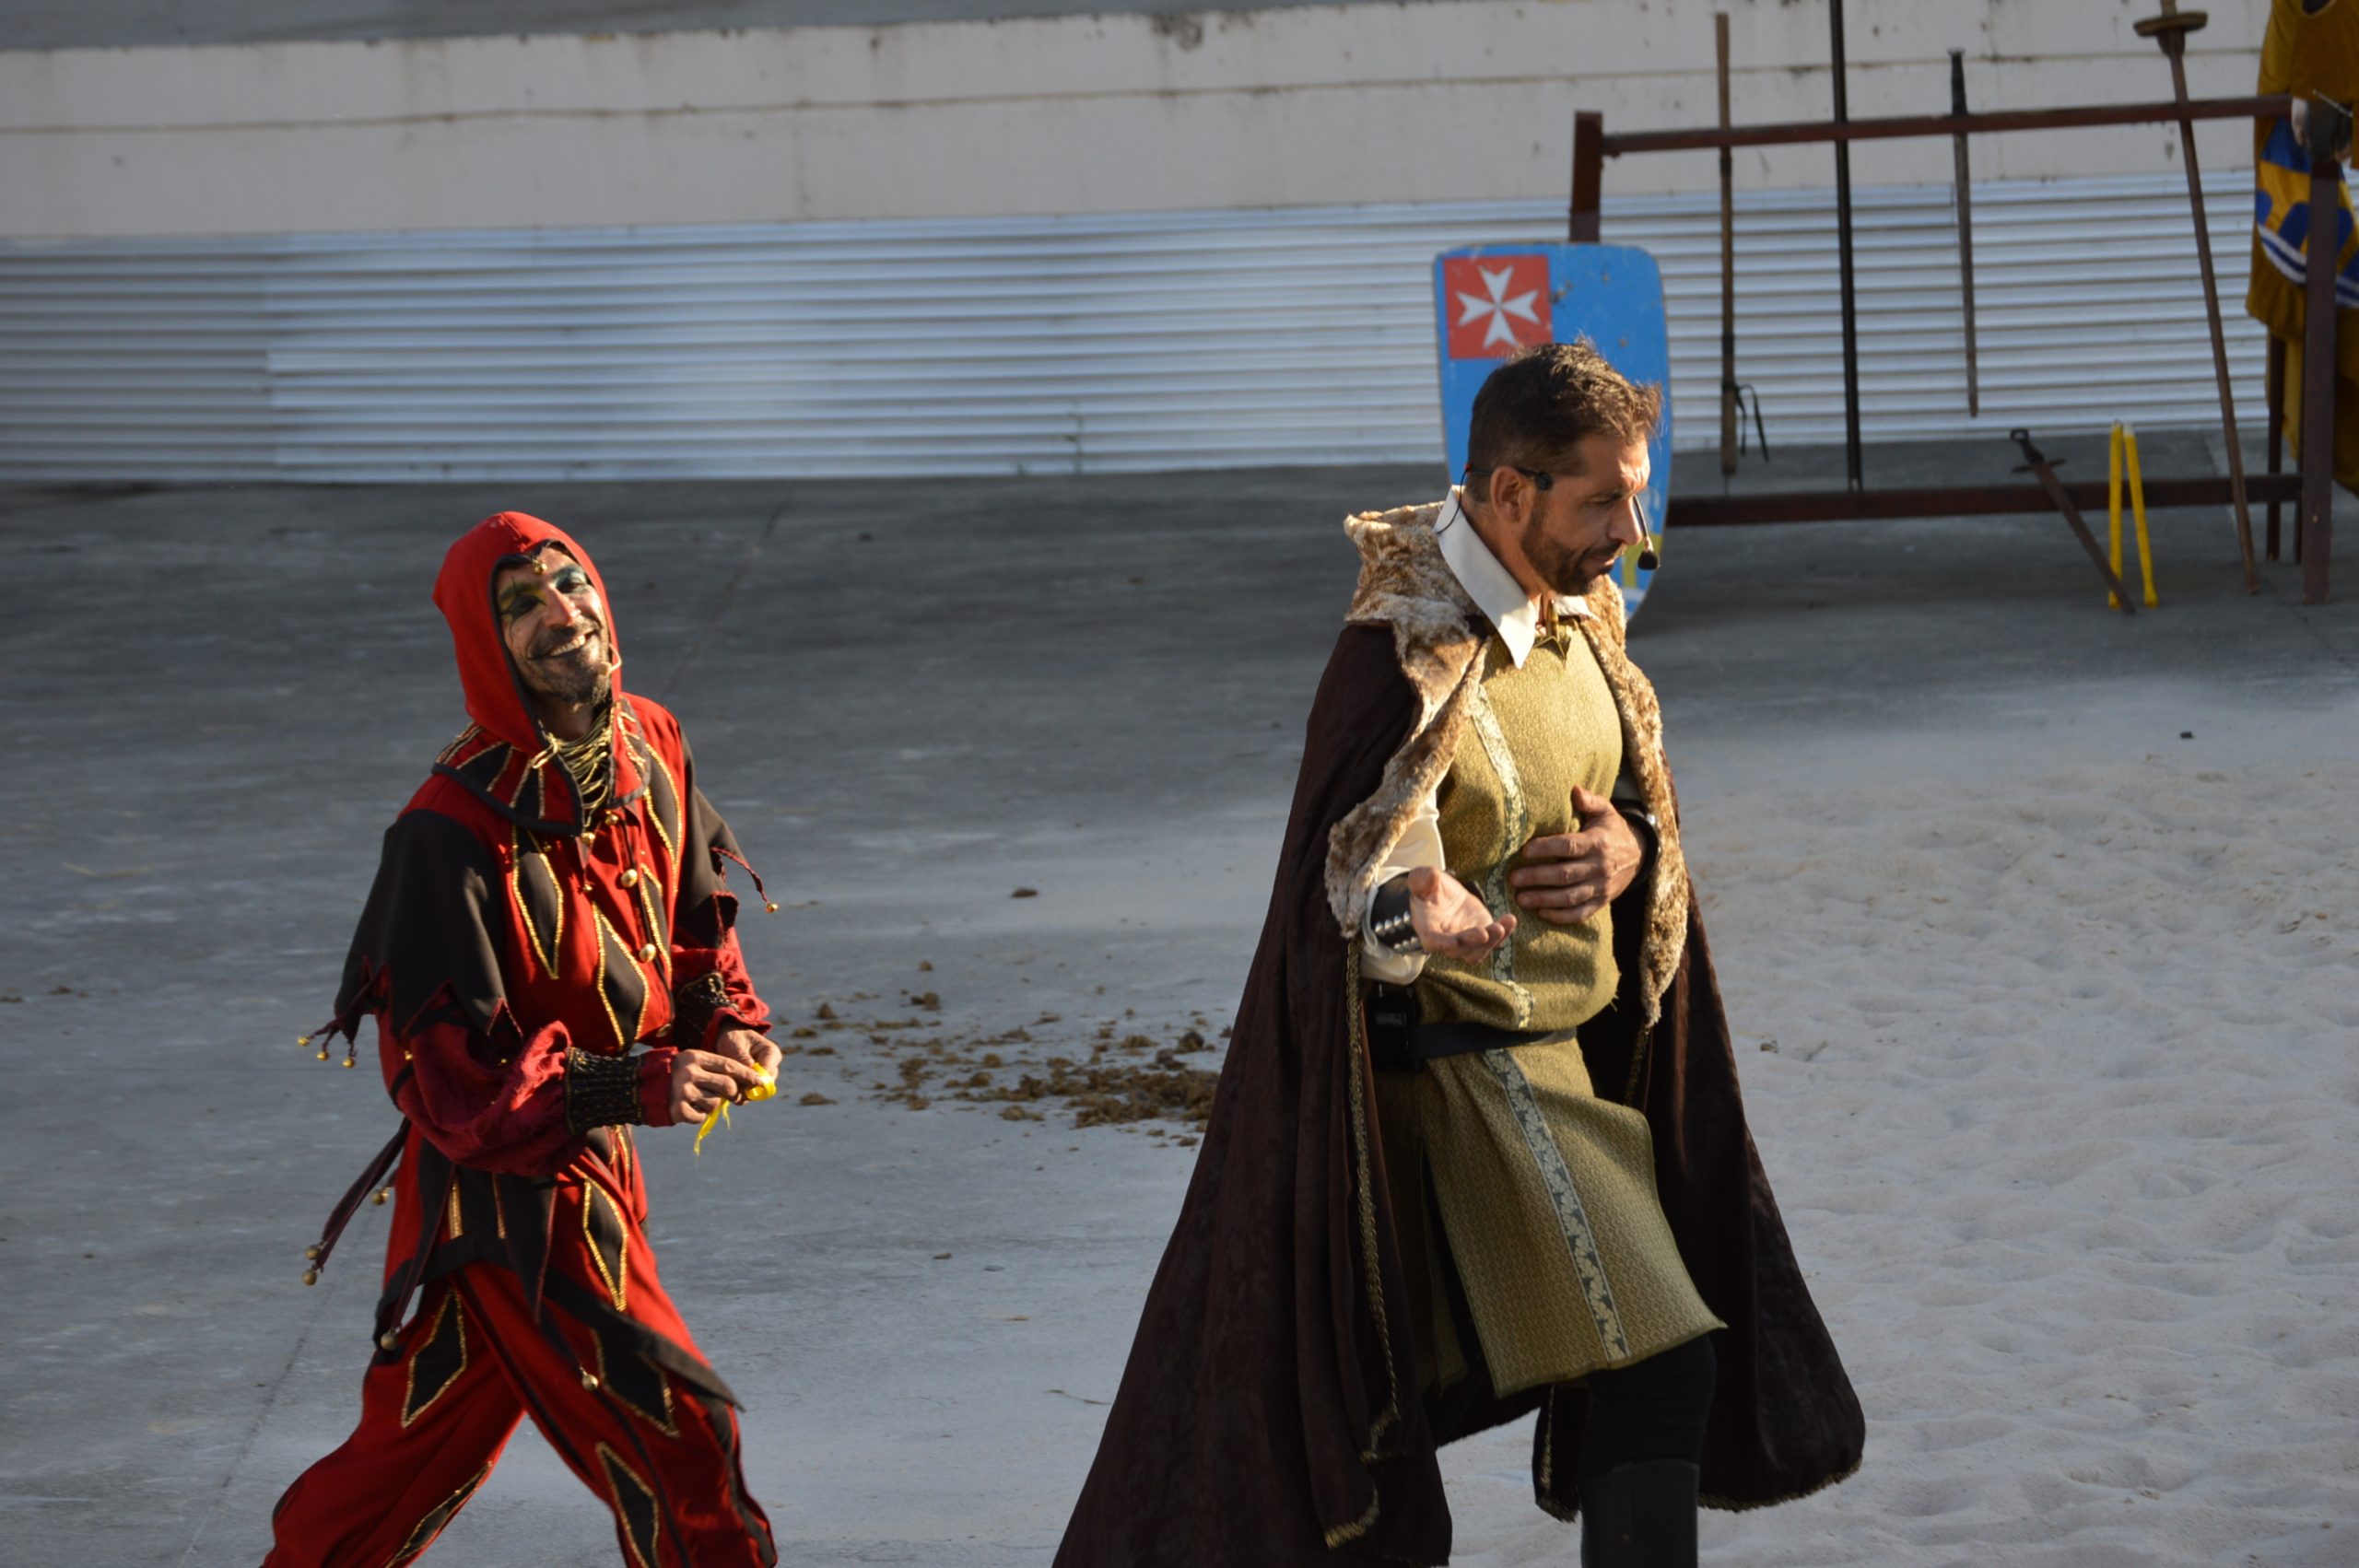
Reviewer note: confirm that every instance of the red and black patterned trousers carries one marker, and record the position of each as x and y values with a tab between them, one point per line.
656	1441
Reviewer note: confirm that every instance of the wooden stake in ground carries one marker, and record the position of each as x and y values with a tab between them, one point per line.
1728	259
2170	30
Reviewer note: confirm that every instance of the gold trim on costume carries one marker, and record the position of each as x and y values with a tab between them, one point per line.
422	1534
550	952
458	742
1343	1535
655	816
617	1278
1580	1239
650	891
1515	828
1371	1260
448	1312
666	1422
606	934
527	772
643	1552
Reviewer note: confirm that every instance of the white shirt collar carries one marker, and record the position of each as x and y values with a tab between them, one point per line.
1492	587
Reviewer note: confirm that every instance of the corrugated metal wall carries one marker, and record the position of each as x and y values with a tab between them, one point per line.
1135	342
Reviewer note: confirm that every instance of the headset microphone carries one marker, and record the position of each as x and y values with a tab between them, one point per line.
1648	559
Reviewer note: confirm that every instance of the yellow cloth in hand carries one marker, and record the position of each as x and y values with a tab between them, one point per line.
765	1090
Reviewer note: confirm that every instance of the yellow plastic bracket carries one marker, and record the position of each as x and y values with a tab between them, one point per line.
2138	507
2113	511
2124	458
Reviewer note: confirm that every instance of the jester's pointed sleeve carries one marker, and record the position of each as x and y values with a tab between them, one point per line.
712	989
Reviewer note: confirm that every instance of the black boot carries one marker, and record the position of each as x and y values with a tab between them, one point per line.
1639	1516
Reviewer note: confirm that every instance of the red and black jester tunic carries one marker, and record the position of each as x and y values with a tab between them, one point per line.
531	975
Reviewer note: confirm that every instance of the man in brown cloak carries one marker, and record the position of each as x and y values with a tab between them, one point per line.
1478	1148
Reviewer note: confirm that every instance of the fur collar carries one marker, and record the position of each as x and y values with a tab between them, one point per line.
1437	634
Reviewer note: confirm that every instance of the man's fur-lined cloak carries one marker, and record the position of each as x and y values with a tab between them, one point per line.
1270	1412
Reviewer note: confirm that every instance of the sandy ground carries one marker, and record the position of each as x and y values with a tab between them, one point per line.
2036	927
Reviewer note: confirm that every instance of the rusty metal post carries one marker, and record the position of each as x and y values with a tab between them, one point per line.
2313	530
1843	248
1964	190
1588	177
2276	433
2170	30
1692	507
1983	122
1728	255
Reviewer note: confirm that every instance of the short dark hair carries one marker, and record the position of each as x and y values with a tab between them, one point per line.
1542	403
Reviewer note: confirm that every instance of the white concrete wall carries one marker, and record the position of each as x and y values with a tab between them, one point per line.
1467	99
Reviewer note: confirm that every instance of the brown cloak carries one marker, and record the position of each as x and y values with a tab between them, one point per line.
1269	1414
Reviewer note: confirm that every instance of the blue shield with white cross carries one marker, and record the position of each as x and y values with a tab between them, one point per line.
1490	301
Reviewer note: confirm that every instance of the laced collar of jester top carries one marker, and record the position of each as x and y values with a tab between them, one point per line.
505	757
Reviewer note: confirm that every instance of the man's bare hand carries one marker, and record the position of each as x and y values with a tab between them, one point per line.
1566	878
701	1080
751	1047
1451	922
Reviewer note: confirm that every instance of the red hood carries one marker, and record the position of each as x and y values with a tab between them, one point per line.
463	593
504	758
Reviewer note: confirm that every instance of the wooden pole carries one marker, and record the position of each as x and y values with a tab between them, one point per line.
2276	434
2172	36
1965	178
1588	177
1728	257
1843	249
2313	534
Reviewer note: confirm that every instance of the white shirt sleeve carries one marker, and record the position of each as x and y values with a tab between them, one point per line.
1420	846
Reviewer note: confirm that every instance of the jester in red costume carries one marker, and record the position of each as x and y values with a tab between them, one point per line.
549	954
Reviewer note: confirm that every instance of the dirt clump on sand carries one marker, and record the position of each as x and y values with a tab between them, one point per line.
1111	1075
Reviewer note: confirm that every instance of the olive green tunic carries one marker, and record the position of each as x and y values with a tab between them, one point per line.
1505	1161
1531	736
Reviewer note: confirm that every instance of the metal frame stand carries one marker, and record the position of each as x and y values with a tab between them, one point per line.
2313	491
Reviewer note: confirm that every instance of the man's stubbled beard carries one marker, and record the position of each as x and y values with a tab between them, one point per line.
1566	573
573	680
573	686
